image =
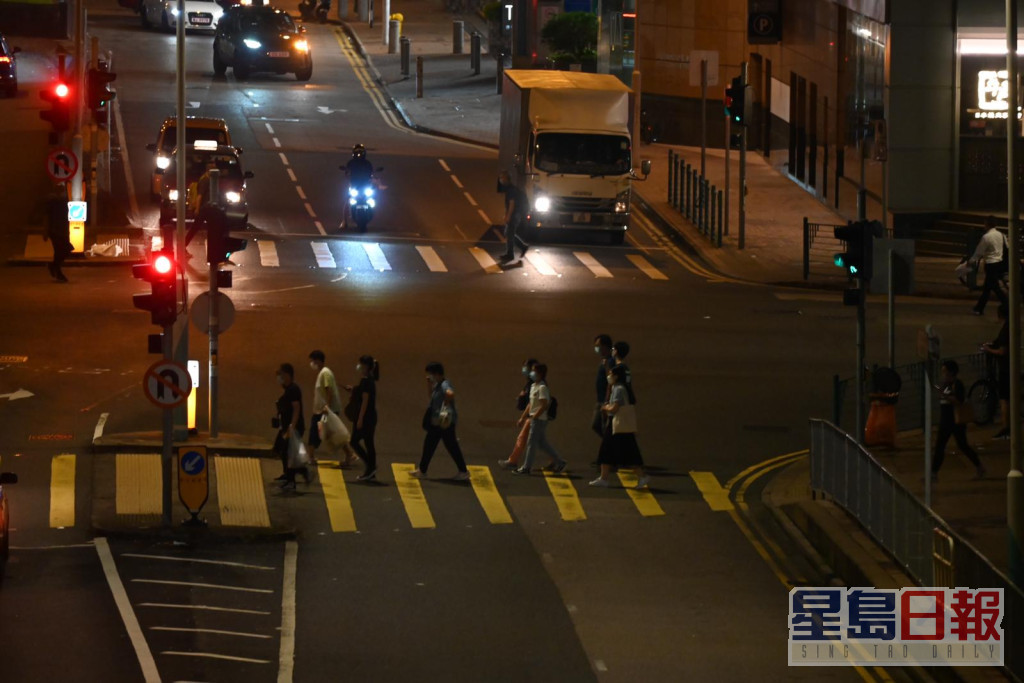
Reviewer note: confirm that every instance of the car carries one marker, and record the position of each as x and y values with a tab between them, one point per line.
232	184
8	68
200	15
197	128
5	519
261	38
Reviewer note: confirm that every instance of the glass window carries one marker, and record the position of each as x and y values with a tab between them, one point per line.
170	140
582	153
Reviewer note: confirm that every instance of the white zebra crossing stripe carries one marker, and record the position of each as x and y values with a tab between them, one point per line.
590	262
376	256
485	260
645	266
540	263
324	257
432	260
268	254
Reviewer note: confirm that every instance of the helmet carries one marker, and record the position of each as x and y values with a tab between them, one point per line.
359	151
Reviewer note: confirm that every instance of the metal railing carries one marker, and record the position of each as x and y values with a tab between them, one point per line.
820	247
930	551
691	194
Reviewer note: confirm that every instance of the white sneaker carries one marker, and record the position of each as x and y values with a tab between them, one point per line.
603	483
642	482
461	476
506	464
416	474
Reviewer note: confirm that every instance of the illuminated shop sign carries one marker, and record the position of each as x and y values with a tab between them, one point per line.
993	95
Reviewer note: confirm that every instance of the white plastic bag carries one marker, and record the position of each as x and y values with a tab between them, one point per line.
298	456
333	431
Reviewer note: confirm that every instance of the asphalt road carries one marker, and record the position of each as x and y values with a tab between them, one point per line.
726	376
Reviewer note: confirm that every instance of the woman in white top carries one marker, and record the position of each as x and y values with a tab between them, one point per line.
536	414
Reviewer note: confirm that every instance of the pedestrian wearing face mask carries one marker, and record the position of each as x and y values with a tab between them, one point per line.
535	416
439	422
620	350
362	408
289	424
618	447
603	349
325	395
522	431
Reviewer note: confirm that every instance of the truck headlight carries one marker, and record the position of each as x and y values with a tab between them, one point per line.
163	162
542	204
233	197
621	206
172	195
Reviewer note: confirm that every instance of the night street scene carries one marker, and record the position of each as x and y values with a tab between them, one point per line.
465	341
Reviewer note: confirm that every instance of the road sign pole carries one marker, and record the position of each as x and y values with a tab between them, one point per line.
743	168
180	250
728	155
167	454
214	314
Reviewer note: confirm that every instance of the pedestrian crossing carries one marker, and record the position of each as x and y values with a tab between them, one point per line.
449	259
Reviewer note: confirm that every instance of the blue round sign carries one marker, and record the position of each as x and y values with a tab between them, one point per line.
193	463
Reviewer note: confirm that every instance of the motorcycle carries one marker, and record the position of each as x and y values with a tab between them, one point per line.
314	9
362	200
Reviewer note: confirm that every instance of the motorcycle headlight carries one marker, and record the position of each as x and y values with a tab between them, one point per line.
368	192
172	195
252	44
174	11
233	197
542	204
163	162
301	45
371	203
353	192
352	201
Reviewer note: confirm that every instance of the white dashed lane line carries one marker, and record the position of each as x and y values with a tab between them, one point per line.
592	264
444	166
320	227
291	174
433	261
284	159
469	198
277	143
302	195
270	129
455	179
487	219
310	211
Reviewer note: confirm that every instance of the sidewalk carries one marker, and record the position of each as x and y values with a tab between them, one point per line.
457	104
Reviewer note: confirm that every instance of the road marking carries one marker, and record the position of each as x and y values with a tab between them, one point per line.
455	179
213	655
485	260
644	500
645	266
433	261
565	496
487	219
208	608
497	233
320	228
62	491
487	493
215	631
412	497
302	195
223	563
284	159
268	254
139	484
291	174
729	484
591	263
286	655
97	432
376	255
52	547
277	143
124	606
469	198
324	257
339	506
241	497
444	166
716	497
540	263
8	360
309	210
270	128
196	584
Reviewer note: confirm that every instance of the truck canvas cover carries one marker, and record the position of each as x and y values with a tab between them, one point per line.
569	100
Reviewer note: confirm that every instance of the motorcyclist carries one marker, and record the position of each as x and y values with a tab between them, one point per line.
360	173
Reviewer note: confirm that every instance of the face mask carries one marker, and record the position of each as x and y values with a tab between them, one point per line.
359	368
280	379
597	350
533	376
312	365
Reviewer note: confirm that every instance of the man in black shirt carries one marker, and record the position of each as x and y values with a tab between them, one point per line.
289	414
515	215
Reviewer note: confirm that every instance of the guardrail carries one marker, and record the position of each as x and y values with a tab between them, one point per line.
820	245
931	552
694	197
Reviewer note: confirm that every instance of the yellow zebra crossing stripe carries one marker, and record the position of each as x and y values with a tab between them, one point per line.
487	493
564	493
339	507
716	497
62	491
138	484
241	497
643	499
412	497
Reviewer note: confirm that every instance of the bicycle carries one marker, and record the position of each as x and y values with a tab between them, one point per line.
983	396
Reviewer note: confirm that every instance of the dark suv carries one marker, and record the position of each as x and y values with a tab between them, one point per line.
8	68
261	38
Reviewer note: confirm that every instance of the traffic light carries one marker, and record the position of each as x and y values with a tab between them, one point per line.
59	114
858	258
161	273
220	245
97	93
736	102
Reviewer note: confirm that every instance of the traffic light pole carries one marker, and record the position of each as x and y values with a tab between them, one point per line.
78	92
167	454
214	315
859	377
743	167
728	173
180	250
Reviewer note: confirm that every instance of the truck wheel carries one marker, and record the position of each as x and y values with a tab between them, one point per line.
618	238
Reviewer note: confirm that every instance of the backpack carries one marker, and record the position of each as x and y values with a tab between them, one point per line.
553	408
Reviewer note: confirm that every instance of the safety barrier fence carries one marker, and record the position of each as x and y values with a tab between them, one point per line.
692	195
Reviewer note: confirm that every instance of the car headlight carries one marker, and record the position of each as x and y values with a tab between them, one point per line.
371	203
352	201
542	204
174	11
252	44
368	192
172	195
233	197
353	192
163	162
301	45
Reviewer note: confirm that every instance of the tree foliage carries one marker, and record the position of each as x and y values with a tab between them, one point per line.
571	33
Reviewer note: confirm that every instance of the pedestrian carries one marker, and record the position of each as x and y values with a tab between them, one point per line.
952	421
515	216
362	408
58	231
325	395
620	350
989	253
535	416
618	447
603	349
522	431
289	423
999	347
439	421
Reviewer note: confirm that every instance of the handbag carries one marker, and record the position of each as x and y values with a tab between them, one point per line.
298	456
332	430
445	416
624	420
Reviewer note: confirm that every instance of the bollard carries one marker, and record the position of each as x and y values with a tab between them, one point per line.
458	30
419	77
711	214
721	210
670	177
675	182
406	48
686	194
707	207
701	198
394	29
474	53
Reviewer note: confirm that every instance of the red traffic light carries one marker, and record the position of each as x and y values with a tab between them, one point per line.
62	90
727	101
163	264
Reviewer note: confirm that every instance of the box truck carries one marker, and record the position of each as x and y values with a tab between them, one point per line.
565	140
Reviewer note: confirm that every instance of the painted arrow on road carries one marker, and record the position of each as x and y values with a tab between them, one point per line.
328	110
20	393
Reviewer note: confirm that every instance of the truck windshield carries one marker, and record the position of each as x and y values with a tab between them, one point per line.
582	153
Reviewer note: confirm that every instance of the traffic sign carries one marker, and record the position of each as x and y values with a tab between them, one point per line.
200	312
167	384
78	211
61	164
76	233
193	478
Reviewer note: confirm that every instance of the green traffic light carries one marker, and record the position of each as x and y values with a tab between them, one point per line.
853	270
838	260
